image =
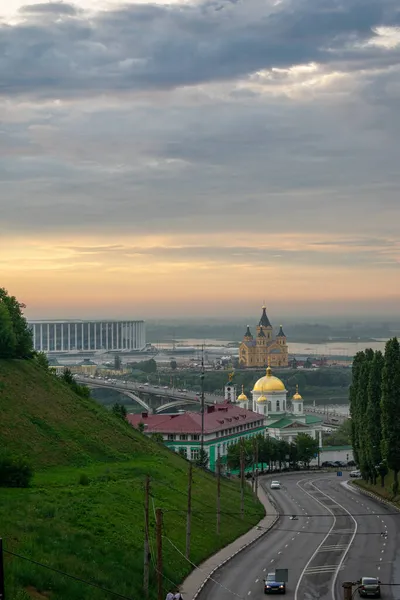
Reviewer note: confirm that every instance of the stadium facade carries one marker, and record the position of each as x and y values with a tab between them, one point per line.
88	336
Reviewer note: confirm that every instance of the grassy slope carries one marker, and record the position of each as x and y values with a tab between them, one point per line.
386	492
96	532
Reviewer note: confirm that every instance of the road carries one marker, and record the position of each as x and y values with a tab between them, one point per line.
336	537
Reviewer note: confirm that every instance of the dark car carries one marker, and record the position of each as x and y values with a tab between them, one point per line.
369	586
274	587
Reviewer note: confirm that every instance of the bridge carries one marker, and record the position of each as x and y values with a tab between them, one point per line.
159	399
156	399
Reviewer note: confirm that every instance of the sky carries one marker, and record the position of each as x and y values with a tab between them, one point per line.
200	158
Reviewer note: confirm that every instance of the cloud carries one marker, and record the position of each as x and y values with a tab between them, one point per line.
50	8
145	46
154	143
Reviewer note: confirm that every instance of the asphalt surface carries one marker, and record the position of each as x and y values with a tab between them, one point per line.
339	535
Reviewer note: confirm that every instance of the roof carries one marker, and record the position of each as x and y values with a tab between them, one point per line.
281	423
311	419
250	344
261	333
216	418
248	332
280	332
264	321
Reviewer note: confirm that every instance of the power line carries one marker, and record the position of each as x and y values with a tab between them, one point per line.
80	580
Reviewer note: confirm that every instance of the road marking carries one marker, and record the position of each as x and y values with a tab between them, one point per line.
286	545
257	580
324	569
379	568
340	565
280	552
265	569
248	593
292	537
272	560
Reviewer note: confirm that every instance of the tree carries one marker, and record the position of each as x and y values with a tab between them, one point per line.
373	418
307	448
202	461
119	410
8	340
42	360
157	437
354	405
390	409
22	332
117	362
173	364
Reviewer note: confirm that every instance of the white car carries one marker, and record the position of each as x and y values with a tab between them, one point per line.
275	485
355	473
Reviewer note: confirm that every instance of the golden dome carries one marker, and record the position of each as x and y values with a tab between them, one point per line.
262	399
269	383
297	395
242	397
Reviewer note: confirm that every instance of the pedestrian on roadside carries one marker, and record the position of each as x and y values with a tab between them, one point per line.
170	596
178	596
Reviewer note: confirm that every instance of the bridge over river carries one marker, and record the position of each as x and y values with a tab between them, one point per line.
156	399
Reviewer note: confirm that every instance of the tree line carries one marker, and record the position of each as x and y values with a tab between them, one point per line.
15	334
273	452
375	413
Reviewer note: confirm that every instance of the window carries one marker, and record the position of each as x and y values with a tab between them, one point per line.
195	453
183	436
183	451
171	437
278	405
197	437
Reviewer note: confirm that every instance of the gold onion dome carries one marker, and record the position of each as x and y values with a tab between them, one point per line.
297	395
262	399
242	396
269	383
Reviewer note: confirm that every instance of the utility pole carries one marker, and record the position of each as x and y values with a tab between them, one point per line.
242	477
146	566
202	404
218	493
2	594
189	512
347	590
252	466
159	520
256	490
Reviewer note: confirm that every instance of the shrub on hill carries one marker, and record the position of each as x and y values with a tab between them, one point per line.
15	471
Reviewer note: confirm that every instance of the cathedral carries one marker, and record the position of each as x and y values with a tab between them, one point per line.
266	348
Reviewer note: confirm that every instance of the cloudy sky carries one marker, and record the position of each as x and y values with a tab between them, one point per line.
199	158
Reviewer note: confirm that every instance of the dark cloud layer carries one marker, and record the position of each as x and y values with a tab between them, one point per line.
147	46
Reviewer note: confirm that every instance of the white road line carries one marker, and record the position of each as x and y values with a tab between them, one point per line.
327	535
286	545
248	593
265	569
280	552
257	580
272	559
292	538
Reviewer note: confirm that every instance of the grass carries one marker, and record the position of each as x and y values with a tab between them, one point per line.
95	531
385	492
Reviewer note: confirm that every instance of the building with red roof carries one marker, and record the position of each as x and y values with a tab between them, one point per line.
224	425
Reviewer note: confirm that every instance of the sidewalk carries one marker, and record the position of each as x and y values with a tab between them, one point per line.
195	582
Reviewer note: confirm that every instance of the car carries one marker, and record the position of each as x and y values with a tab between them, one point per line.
369	586
273	587
275	485
355	473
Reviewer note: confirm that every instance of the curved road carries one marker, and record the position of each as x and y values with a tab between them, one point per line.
339	535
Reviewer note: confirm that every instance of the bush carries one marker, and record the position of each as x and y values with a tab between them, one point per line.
84	479
15	471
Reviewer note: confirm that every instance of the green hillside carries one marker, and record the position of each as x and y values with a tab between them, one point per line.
83	514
